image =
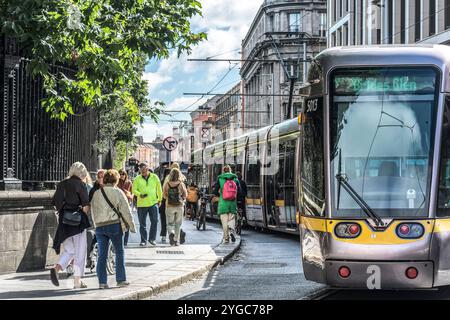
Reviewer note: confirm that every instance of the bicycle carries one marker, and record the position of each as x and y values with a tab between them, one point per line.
201	214
239	217
238	224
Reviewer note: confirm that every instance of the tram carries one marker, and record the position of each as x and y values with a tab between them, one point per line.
363	174
374	155
266	159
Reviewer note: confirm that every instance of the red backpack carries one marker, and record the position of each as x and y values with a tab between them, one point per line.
229	190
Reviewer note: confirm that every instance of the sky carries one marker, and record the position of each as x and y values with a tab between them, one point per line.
226	23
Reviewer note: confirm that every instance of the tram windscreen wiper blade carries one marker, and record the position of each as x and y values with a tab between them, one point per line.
342	178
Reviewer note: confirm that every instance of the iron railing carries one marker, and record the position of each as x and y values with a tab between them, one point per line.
34	148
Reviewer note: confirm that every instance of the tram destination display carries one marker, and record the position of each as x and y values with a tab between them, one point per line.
384	81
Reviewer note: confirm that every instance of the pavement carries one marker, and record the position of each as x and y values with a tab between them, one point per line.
150	270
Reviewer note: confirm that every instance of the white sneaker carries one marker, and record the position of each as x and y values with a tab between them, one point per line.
163	239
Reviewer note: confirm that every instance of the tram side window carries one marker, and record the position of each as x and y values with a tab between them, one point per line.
443	209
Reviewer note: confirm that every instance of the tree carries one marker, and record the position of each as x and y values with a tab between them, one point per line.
108	43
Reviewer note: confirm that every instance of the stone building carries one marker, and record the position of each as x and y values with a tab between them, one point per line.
227	111
281	40
369	22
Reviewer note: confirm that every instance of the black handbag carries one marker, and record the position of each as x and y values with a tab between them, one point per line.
70	217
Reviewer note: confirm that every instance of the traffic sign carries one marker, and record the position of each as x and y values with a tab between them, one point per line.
170	144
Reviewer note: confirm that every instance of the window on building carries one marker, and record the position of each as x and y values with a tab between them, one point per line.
295	23
323	25
402	21
355	27
361	26
341	4
270	22
390	34
432	13
345	35
417	21
447	14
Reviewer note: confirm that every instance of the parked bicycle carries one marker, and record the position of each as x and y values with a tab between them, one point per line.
201	214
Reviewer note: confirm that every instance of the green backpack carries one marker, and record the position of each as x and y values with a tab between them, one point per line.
174	196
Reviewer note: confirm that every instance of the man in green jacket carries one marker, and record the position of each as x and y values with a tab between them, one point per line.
227	209
147	189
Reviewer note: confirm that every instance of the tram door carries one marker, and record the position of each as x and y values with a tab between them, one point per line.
279	186
274	195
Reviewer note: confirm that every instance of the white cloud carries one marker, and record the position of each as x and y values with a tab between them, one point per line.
226	22
150	130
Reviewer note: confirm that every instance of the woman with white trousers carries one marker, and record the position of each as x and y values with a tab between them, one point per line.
71	195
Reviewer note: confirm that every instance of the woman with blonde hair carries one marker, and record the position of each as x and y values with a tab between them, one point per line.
71	199
174	191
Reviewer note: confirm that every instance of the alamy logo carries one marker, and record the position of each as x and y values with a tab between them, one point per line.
374	280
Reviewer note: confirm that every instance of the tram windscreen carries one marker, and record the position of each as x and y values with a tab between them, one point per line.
382	124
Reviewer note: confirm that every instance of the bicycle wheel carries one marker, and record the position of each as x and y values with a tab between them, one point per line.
238	222
111	261
198	224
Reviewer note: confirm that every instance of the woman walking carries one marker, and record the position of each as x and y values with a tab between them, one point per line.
227	189
125	185
111	215
71	199
174	191
162	211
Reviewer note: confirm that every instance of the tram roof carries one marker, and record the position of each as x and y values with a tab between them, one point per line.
388	55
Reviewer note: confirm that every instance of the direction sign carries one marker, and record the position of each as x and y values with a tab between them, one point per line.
170	144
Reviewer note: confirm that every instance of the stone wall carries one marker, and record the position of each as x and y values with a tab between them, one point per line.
27	226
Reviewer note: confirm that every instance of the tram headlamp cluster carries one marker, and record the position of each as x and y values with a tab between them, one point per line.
347	230
410	230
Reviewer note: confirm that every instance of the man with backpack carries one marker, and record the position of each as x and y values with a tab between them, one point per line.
227	190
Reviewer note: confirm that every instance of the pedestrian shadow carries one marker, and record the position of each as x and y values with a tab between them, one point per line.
42	294
36	252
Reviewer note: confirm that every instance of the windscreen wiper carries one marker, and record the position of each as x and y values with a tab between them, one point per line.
343	180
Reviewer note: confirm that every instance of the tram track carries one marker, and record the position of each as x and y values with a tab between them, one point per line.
321	294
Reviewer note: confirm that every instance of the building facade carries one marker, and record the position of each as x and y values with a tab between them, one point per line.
228	114
283	37
203	124
145	151
370	22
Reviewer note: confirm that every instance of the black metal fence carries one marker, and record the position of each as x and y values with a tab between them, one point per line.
34	148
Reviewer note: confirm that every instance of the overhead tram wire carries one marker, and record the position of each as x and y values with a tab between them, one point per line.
237	60
215	86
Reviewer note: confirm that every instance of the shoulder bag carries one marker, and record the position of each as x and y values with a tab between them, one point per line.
70	217
114	209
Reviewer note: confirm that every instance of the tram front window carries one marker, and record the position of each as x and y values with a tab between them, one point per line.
382	124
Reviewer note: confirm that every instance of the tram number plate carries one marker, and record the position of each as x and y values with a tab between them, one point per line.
314	104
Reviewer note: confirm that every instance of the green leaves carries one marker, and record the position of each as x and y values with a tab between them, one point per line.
108	42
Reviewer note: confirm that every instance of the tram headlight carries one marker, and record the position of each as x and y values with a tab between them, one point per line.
410	230
347	230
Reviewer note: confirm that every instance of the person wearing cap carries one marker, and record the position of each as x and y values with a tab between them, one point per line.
147	189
